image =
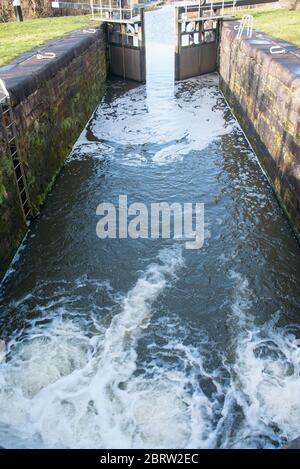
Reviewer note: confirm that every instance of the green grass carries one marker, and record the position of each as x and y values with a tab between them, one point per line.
16	38
154	5
280	23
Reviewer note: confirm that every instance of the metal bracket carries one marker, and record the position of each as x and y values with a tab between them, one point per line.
12	147
45	55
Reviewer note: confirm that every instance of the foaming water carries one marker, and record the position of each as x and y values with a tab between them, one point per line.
140	343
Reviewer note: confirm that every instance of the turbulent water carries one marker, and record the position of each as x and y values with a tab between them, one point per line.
142	343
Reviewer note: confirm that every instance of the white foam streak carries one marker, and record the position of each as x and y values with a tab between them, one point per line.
68	390
176	125
265	375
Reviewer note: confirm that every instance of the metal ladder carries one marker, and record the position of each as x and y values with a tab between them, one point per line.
11	139
246	22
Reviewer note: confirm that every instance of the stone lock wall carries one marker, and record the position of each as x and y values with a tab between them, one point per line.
263	90
52	101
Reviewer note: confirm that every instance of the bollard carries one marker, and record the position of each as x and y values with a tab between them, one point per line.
18	10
